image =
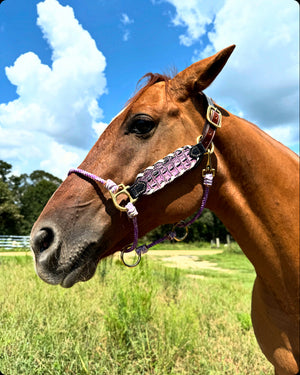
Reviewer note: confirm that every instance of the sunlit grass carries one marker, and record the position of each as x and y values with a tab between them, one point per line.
147	320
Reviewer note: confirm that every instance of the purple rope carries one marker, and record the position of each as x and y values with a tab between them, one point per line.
109	184
208	180
199	212
135	237
86	174
144	248
112	186
132	212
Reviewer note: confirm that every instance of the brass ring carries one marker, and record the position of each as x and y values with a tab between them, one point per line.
130	265
183	237
199	138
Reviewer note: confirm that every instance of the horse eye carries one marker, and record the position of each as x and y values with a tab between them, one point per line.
141	125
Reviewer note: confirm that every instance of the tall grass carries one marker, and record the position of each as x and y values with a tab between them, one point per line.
147	320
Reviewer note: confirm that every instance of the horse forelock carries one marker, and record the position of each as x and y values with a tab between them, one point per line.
151	79
141	87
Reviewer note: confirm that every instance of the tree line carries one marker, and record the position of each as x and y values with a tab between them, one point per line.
23	197
208	227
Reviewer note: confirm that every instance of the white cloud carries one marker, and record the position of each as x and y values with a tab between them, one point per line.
195	15
99	127
126	35
261	79
57	154
288	136
125	21
57	105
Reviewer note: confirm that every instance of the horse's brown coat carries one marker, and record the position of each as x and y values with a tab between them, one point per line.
255	194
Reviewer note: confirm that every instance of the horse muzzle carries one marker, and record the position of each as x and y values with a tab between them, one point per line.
55	263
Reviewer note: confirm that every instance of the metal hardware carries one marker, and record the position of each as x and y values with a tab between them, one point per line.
199	138
208	168
123	252
211	108
211	150
179	239
214	118
122	189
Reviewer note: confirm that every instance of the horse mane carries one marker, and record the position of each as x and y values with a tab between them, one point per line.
151	79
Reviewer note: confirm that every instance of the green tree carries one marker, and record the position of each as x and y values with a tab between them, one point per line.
39	175
17	185
10	217
203	229
5	169
206	228
35	197
22	198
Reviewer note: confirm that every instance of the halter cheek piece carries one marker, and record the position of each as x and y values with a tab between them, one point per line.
161	174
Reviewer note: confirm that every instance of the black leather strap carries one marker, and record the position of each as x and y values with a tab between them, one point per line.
197	151
136	189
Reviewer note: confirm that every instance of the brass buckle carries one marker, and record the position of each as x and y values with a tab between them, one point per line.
122	189
208	117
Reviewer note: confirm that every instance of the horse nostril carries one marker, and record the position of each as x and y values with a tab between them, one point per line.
43	240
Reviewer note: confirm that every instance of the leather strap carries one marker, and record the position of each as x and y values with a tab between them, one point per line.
213	121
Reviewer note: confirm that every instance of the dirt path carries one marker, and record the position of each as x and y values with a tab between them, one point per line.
183	252
188	259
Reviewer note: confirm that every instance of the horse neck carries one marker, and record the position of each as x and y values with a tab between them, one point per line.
256	195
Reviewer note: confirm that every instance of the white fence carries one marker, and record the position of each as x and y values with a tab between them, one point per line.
13	242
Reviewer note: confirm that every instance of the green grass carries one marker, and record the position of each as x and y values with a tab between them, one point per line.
14	250
147	320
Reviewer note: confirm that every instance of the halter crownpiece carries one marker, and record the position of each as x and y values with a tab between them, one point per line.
161	174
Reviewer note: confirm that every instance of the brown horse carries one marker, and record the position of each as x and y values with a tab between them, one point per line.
255	194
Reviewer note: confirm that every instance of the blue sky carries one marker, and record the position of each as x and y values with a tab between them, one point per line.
68	67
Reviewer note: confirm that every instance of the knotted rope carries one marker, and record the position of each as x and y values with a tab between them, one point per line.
132	214
109	185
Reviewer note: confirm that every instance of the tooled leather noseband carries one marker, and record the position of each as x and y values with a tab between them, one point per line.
162	173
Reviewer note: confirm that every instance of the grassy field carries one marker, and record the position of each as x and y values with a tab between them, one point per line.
147	320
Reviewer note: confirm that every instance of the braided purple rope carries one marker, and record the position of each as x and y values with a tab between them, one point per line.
133	246
144	248
109	184
132	213
113	187
208	180
131	210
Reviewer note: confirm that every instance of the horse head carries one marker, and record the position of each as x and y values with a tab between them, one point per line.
80	224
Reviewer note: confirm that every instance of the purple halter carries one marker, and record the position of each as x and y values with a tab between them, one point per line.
159	175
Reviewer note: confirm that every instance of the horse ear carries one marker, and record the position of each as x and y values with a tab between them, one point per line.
201	74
